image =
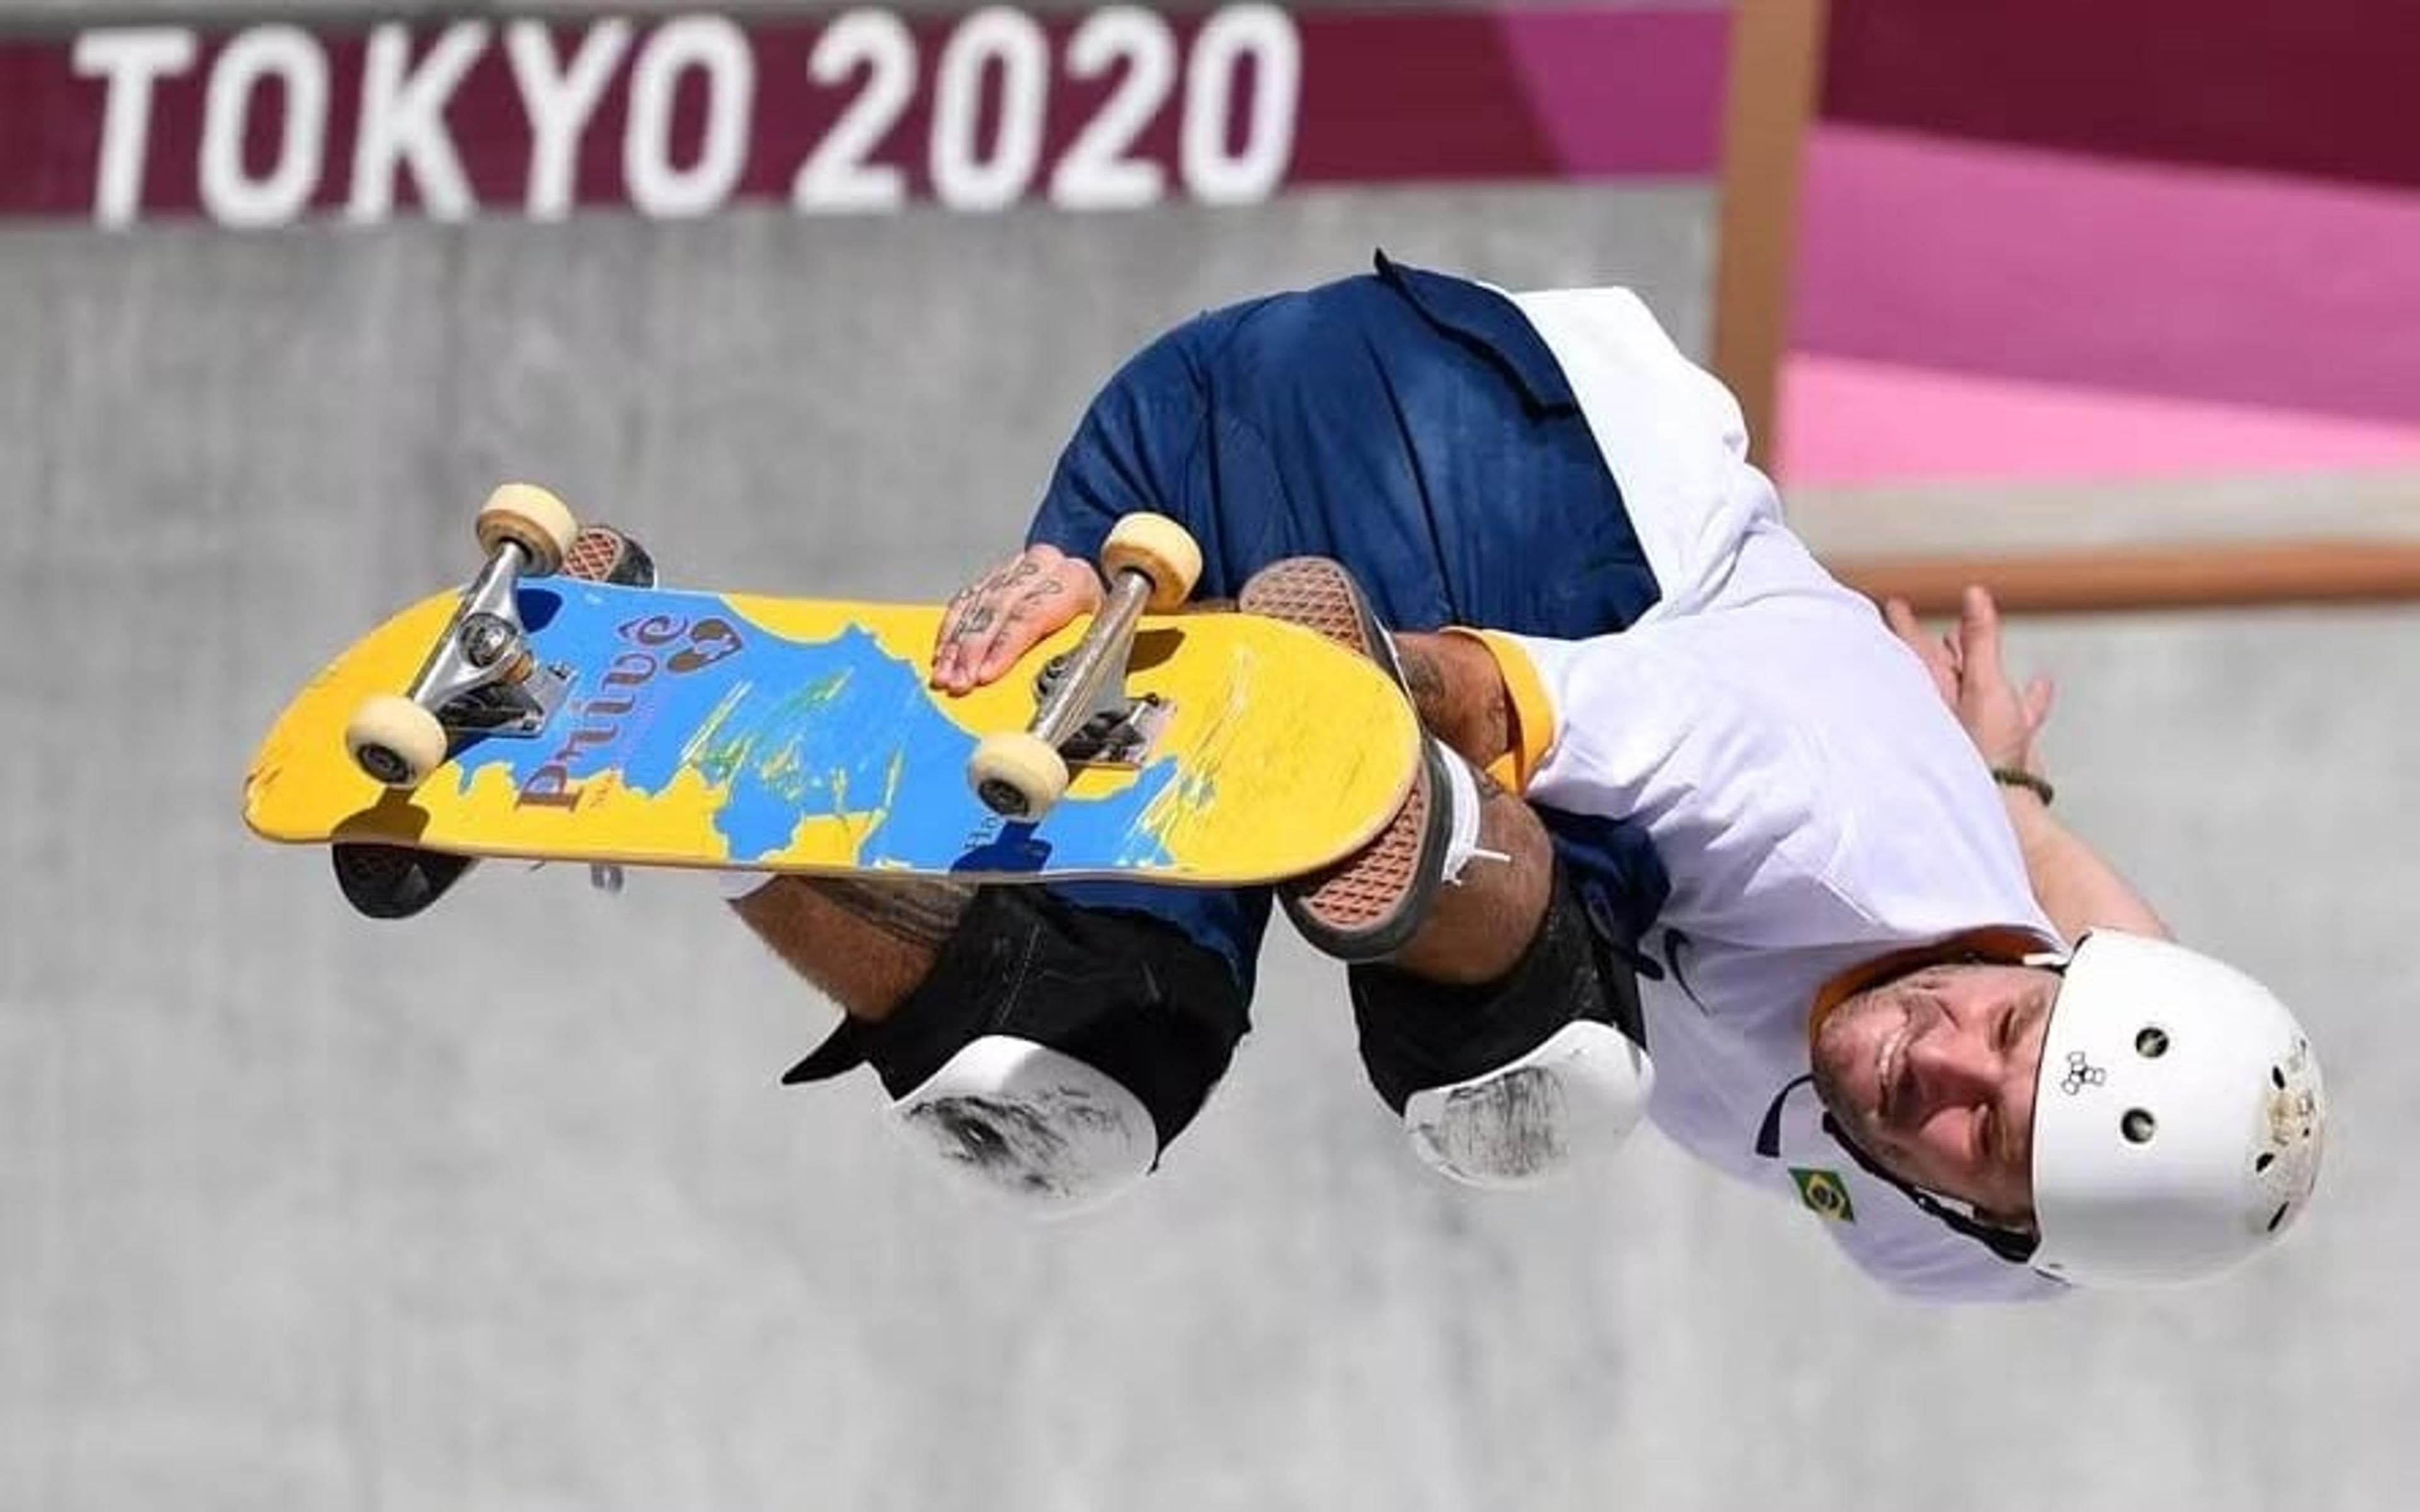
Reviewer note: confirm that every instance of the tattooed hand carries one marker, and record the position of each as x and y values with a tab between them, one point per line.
1002	615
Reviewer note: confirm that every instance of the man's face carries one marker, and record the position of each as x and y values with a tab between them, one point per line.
1932	1075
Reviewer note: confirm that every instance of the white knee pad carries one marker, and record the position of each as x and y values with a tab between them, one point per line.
1034	1124
1574	1096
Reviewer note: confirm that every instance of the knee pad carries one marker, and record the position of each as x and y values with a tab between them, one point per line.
1573	1098
1054	1135
1506	1084
1053	1050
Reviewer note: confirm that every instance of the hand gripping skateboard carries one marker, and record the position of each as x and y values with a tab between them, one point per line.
536	716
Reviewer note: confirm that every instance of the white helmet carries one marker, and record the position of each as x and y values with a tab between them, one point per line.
2178	1120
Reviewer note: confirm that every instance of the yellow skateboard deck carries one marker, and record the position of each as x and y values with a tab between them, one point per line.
712	730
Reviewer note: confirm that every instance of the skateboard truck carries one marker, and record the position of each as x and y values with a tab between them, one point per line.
1118	730
480	677
1082	711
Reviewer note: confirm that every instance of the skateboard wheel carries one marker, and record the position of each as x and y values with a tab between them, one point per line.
1018	775
395	741
532	518
1160	549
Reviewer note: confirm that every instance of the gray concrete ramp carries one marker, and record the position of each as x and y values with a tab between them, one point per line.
504	1210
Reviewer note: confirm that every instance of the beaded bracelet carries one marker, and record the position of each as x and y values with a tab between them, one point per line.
2010	776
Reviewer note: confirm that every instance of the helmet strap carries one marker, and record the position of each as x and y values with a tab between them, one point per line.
2009	1245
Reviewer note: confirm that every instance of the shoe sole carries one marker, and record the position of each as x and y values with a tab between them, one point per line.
601	554
1371	904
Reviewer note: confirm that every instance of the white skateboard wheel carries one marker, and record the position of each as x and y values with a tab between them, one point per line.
1018	775
395	741
532	518
1160	549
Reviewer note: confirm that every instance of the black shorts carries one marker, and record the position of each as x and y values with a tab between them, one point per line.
1127	994
1135	997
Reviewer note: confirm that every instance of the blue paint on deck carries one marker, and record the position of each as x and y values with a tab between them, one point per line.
838	727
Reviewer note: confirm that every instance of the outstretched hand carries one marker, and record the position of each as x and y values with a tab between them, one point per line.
2002	719
1008	611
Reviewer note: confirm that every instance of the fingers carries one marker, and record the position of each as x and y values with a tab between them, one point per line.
977	621
1901	616
996	633
1978	634
2039	694
950	668
1002	616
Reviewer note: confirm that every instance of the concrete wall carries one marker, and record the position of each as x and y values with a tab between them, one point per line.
502	1210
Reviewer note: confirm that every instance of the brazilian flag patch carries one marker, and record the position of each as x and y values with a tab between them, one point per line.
1825	1192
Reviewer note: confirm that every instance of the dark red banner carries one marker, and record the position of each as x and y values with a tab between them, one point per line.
863	111
2324	89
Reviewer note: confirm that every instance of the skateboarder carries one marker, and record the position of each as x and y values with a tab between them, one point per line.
1696	834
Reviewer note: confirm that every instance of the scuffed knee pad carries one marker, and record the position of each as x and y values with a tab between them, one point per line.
1054	1050
1573	1098
1054	1135
1504	1083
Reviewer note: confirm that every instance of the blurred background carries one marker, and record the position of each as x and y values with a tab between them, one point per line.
2108	303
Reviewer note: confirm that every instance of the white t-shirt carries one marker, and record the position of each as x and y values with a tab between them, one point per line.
1816	805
